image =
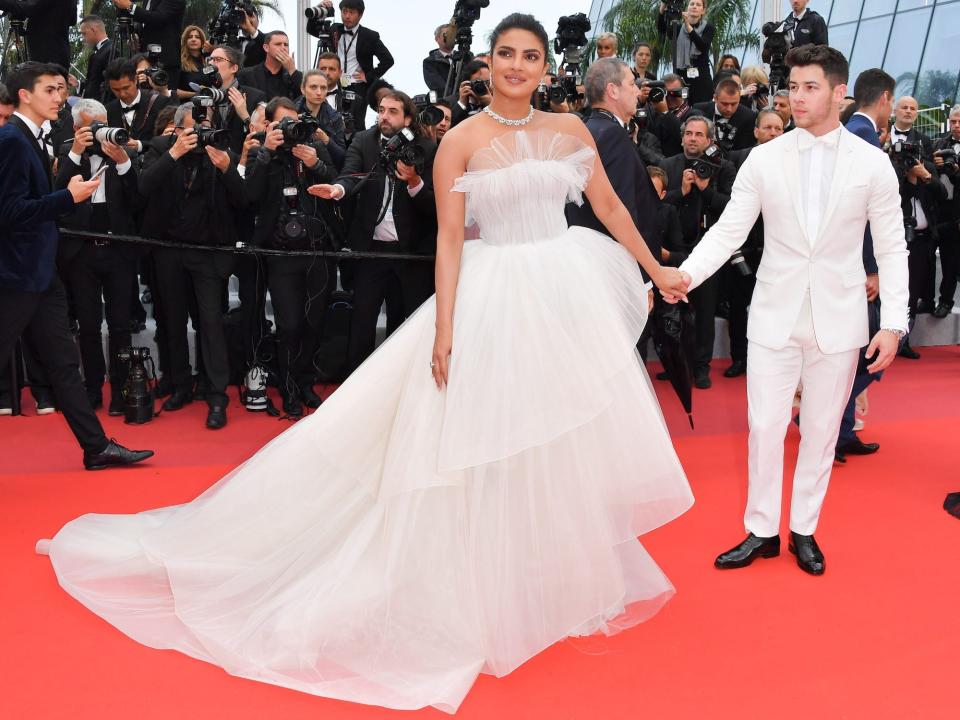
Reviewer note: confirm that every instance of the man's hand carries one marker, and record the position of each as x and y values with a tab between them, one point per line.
186	141
287	61
686	182
307	154
250	24
873	286
408	174
325	192
274	137
466	94
72	81
701	183
239	102
919	172
885	344
82	139
133	145
123	4
219	158
673	284
251	143
115	153
81	189
359	76
750	89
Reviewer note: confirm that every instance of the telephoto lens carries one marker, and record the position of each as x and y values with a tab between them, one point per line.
103	133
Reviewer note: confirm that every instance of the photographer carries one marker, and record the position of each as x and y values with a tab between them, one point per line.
691	36
437	64
700	184
300	286
150	76
395	212
241	100
251	40
755	90
804	26
357	47
945	153
161	21
133	108
474	92
436	132
48	27
6	106
92	269
277	75
733	122
332	132
193	193
662	122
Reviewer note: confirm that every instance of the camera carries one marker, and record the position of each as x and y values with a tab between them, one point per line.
319	23
740	264
104	133
640	119
402	147
158	76
775	49
299	131
347	100
224	28
681	93
905	155
762	89
726	132
949	158
465	14
658	91
292	232
708	164
673	11
210	77
137	393
571	40
480	87
208	137
427	112
909	228
556	94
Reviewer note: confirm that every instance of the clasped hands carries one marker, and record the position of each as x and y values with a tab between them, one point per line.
674	284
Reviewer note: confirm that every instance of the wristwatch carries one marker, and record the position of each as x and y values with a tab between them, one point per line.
899	333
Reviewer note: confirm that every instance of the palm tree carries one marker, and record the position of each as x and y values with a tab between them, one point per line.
635	21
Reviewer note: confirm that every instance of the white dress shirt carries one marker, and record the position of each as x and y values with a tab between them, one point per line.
100	194
347	50
818	159
35	129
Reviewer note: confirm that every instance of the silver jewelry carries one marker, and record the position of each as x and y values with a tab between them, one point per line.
432	364
899	333
508	121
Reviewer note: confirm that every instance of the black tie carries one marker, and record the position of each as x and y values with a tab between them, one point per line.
348	32
131	108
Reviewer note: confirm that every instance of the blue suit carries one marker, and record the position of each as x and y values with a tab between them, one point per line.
28	212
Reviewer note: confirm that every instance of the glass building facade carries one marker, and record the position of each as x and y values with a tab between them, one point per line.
916	41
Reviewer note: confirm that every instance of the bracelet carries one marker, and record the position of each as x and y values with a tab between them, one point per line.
899	333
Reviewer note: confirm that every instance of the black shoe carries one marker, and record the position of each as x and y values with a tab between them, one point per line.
942	310
201	387
45	403
809	557
164	387
217	414
118	404
701	379
663	375
748	551
908	352
114	455
839	457
292	406
856	447
924	307
179	398
310	398
736	369
95	396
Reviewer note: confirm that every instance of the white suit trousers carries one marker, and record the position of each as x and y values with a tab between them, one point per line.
772	379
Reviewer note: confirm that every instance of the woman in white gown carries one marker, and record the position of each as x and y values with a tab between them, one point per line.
416	531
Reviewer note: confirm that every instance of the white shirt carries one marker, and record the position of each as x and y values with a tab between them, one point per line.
128	115
347	50
818	159
100	44
100	194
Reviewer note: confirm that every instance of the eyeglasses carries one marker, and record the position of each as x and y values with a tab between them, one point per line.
213	59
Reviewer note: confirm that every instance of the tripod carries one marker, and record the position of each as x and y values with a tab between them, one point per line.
460	56
123	44
14	43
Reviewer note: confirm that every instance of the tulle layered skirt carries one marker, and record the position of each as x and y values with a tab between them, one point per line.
401	540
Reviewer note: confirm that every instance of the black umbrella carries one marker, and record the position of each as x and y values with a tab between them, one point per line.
674	338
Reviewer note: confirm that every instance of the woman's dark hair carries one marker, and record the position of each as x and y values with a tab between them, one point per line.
521	21
723	59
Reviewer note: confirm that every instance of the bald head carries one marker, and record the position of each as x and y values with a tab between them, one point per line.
905	112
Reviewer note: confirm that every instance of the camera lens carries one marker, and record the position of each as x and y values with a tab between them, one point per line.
117	136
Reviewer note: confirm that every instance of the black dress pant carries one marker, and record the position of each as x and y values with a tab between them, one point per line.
251	272
372	279
922	265
99	277
704	299
178	270
739	291
300	289
41	319
949	244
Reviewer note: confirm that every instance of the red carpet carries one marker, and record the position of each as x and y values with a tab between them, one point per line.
878	636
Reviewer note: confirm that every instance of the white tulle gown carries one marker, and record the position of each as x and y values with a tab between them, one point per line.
401	540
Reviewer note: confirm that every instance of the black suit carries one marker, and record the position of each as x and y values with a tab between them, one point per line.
144	123
630	181
436	71
922	199
738	134
253	52
95	87
282	84
235	127
32	299
666	127
948	240
415	220
162	24
698	210
48	27
368	47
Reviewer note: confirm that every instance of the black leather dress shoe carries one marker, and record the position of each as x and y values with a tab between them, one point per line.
309	398
839	457
701	380
942	310
809	557
217	415
179	398
748	551
736	369
925	307
908	352
663	375
856	447
114	455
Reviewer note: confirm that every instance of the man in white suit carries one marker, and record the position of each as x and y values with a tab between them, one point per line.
816	188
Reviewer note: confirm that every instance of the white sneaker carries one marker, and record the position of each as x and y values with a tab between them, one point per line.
255	394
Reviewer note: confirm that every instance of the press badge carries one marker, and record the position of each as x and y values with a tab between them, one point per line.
693	73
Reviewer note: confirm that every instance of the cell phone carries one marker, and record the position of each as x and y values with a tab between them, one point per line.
102	169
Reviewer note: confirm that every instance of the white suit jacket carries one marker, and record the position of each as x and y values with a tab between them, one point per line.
864	189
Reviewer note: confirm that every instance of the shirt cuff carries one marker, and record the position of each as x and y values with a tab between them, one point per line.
462	106
242	170
412	191
74	158
343	191
139	146
123	167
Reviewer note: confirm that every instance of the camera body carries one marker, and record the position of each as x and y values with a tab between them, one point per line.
708	164
465	14
905	155
775	49
295	131
319	24
658	90
224	28
293	225
104	133
402	147
949	157
571	40
137	393
427	113
158	76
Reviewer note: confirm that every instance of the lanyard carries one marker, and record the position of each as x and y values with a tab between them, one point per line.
346	48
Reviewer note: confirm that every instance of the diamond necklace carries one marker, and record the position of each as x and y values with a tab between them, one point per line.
507	121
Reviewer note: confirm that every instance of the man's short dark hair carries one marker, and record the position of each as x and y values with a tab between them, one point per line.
353	5
871	85
473	67
25	76
409	109
727	85
232	54
673	77
121	68
330	56
763	113
272	34
655	172
276	104
442	102
5	98
834	65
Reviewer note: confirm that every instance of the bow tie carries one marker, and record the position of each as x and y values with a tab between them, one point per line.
348	32
806	140
131	108
43	138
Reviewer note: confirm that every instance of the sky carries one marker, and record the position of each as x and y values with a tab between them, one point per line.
406	28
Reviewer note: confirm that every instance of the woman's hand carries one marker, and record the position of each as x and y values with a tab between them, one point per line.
673	284
440	364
